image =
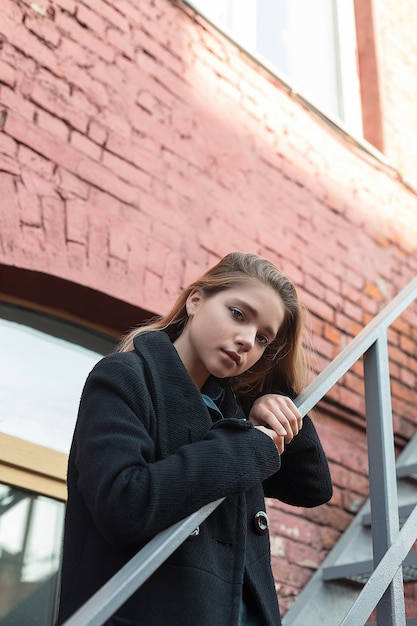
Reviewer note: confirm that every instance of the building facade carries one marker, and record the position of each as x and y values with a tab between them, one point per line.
141	140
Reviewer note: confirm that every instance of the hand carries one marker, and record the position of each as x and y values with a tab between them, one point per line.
278	417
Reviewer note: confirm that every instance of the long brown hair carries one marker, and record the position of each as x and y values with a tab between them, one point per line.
282	366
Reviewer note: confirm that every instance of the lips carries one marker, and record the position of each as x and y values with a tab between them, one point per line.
234	356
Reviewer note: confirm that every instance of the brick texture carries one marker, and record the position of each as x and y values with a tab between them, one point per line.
138	145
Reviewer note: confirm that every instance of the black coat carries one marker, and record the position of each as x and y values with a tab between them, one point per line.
146	454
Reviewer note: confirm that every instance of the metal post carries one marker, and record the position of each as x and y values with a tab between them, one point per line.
382	476
385	570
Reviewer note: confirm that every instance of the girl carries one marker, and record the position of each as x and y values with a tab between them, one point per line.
191	408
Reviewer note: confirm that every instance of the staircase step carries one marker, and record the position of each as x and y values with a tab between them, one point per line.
360	571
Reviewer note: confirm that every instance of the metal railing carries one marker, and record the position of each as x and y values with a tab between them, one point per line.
384	589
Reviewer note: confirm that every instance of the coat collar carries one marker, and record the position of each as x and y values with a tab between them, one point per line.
171	385
177	401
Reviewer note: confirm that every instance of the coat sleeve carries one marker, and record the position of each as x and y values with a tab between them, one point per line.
129	493
304	478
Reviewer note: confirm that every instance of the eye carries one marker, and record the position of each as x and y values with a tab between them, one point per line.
264	341
236	313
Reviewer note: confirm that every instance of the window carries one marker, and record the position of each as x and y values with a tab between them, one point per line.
30	542
312	45
44	362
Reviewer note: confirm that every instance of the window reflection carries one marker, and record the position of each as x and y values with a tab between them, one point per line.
43	375
311	44
30	542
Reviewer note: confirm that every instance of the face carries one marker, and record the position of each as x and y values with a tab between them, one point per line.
227	333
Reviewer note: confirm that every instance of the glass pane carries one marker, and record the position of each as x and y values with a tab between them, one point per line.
312	44
299	37
30	543
41	383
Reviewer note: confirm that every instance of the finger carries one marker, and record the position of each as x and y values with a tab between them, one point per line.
284	423
280	444
292	413
278	423
279	413
293	417
273	403
279	427
297	415
278	441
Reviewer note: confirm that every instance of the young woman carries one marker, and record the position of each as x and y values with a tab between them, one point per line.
191	408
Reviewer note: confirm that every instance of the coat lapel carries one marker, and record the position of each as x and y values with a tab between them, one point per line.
181	414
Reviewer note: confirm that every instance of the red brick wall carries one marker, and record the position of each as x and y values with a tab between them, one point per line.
138	145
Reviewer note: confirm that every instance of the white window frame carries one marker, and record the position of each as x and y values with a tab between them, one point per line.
237	19
348	75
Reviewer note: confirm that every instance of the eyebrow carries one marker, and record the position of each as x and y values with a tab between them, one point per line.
269	331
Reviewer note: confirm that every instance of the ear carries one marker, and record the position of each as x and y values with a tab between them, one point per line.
194	301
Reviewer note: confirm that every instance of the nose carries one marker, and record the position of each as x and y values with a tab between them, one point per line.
246	338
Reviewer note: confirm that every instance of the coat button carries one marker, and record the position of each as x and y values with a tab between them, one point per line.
261	523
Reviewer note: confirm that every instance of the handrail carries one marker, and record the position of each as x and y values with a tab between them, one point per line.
388	567
131	576
119	588
318	388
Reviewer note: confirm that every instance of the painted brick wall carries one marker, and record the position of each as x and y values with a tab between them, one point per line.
138	145
397	55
